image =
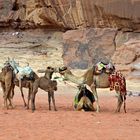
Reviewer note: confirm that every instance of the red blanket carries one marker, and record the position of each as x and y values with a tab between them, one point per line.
117	82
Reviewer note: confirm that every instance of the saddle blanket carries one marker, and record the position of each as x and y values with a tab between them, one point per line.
117	82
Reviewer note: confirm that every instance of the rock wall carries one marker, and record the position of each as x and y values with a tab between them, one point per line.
83	48
100	30
70	14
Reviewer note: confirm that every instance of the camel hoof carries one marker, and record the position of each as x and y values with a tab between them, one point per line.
55	109
10	107
117	111
27	107
33	109
97	111
83	110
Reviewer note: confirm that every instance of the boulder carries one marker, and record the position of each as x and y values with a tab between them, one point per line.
84	48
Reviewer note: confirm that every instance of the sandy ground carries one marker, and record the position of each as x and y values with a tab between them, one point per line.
22	124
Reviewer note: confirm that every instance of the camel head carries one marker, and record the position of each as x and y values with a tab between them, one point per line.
7	68
62	70
50	69
81	87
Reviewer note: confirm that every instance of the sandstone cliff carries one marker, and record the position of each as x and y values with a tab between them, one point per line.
70	14
96	30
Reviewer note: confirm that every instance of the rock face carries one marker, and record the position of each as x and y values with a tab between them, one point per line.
100	30
83	48
127	54
70	13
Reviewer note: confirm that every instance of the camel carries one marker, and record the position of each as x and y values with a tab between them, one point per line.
84	99
25	83
20	72
93	80
6	77
45	83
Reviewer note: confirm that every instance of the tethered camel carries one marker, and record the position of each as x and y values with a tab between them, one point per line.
93	80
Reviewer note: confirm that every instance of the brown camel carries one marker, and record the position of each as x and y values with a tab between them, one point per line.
92	79
84	99
6	77
25	83
45	83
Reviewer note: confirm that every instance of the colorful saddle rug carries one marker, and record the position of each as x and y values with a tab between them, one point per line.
101	67
118	83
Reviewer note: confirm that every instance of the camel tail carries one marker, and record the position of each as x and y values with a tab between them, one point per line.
124	103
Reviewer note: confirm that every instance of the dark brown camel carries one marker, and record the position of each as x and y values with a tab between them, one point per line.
45	83
6	77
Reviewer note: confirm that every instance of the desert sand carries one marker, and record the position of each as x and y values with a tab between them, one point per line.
21	124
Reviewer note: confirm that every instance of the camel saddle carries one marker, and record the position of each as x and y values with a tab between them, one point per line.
101	67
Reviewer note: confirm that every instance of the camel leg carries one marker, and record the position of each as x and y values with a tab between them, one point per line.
124	103
7	94
35	90
93	88
23	96
49	99
13	93
10	102
29	97
33	101
53	100
120	101
10	96
80	104
20	87
5	101
3	89
89	104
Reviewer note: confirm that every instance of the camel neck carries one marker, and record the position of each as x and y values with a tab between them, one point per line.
73	78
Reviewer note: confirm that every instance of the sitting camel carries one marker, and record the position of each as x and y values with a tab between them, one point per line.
45	83
84	99
6	77
93	80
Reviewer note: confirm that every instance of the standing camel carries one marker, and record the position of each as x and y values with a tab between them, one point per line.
45	83
25	83
93	80
26	78
6	77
